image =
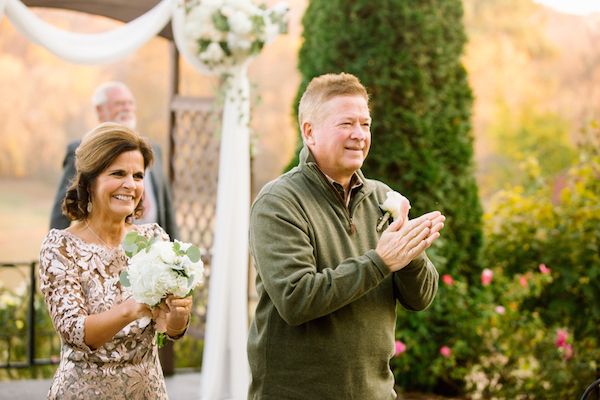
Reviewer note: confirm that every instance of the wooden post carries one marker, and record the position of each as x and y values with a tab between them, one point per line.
167	352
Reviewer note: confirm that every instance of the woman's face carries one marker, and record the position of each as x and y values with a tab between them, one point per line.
119	188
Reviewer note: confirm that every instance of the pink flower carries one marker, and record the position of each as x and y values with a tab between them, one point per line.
400	348
561	338
567	351
523	281
500	310
445	351
486	276
544	269
447	279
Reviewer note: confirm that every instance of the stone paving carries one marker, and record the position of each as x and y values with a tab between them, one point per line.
181	386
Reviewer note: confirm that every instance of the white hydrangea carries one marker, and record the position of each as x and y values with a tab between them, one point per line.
239	23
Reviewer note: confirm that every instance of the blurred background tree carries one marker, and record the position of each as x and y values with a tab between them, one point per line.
408	56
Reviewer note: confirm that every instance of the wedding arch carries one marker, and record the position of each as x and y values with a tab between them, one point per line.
225	371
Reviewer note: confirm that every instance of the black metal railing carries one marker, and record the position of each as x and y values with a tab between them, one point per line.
37	327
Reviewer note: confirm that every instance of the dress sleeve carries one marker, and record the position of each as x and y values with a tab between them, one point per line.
153	230
61	286
301	290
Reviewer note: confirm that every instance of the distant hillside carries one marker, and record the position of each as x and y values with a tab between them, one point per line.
534	71
524	61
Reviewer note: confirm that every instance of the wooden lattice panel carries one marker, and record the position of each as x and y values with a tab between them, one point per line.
195	166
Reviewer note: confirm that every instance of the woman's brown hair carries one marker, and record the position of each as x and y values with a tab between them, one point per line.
97	151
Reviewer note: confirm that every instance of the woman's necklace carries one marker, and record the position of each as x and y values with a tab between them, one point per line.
87	225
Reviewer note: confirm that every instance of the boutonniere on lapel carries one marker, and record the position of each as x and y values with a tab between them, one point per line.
395	206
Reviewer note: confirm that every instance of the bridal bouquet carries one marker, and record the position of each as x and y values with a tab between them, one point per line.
224	33
157	268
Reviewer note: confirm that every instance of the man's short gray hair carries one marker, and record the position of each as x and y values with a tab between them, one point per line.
101	93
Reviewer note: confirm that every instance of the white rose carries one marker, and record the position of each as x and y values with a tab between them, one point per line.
280	8
165	251
213	53
147	276
227	10
183	245
271	31
239	23
234	42
210	3
396	204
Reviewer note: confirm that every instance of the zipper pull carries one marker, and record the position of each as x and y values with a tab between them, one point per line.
351	227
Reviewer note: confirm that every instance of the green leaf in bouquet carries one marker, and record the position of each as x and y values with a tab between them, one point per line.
124	279
193	253
160	339
133	242
131	237
130	249
177	248
150	242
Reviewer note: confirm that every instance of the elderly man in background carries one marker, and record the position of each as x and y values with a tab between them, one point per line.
114	102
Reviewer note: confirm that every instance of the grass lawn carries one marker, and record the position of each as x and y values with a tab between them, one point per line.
24	217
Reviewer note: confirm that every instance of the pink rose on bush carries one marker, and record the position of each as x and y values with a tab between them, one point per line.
544	269
561	338
400	348
500	310
486	276
447	279
567	351
563	345
445	351
523	281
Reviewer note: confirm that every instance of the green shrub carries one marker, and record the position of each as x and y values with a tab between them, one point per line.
408	55
14	309
526	225
490	345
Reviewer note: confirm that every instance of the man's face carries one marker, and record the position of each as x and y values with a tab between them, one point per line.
119	107
340	136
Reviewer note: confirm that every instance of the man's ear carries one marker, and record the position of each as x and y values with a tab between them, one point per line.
99	112
307	133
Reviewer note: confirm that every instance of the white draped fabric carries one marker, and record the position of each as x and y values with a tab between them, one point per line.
225	370
90	48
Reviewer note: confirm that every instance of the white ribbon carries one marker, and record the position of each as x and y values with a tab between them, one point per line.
225	368
90	48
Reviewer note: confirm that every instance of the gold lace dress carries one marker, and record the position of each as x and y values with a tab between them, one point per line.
78	279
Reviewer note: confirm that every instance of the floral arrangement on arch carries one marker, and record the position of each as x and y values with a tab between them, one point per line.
225	33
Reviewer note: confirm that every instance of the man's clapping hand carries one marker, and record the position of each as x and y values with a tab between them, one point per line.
404	240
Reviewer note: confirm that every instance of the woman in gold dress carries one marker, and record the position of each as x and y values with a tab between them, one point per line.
106	352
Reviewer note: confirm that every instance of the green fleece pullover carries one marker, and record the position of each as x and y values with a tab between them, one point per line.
324	324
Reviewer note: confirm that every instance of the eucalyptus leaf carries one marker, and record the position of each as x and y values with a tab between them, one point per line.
124	279
130	249
131	237
193	253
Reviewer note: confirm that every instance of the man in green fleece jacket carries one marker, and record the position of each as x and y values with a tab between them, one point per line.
328	280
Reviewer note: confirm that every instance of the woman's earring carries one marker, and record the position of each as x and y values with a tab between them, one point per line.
89	207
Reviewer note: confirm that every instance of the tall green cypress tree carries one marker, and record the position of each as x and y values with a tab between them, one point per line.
408	55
